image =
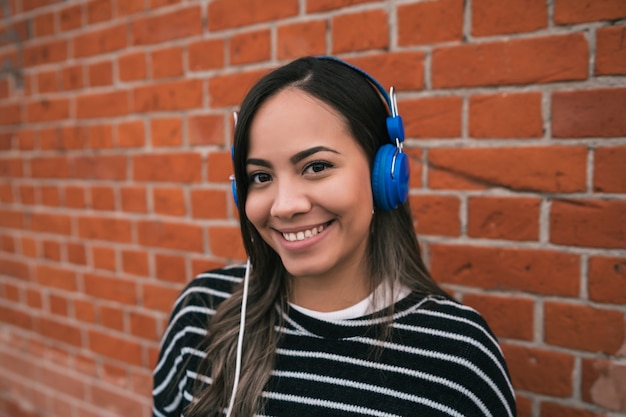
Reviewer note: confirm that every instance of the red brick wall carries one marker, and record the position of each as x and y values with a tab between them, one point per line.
114	164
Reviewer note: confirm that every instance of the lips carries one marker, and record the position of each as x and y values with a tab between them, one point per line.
303	234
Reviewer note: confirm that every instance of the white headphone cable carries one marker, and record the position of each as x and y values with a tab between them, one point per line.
242	326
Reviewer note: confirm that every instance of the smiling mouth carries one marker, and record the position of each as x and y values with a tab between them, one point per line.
304	234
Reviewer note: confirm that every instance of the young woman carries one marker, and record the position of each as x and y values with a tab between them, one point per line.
342	316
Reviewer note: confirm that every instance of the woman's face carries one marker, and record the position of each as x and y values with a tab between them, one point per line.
309	194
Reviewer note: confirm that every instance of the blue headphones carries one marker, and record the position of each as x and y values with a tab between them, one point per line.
390	172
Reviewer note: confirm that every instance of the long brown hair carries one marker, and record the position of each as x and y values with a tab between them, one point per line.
393	251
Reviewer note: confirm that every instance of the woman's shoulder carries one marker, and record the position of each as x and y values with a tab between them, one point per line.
455	326
211	287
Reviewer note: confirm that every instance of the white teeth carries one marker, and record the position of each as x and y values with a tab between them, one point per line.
293	237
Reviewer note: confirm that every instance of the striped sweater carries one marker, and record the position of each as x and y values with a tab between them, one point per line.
440	360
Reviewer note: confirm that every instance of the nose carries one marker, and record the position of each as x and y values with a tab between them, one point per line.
291	199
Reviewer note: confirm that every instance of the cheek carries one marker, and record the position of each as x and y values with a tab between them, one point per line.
256	209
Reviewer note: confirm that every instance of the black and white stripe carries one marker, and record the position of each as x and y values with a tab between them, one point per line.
440	359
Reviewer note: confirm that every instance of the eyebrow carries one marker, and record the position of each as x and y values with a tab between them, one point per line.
294	159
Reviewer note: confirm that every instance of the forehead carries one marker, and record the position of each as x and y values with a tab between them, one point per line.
295	119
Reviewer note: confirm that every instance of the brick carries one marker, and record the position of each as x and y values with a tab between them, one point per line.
96	42
432	117
225	242
177	95
135	262
580	11
48	82
403	70
589	113
85	312
167	62
430	22
300	39
603	383
76	253
132	66
56	277
47	110
161	3
72	77
158	28
230	89
169	235
169	201
103	198
71	17
249	47
548	169
60	331
58	305
100	167
14	268
209	204
171	268
99	136
607	280
166	132
111	317
11	168
610	51
220	167
108	288
50	196
97	105
206	54
134	199
29	247
540	371
503	218
99	11
102	228
158	296
583	327
609	174
11	219
519	61
129	7
588	223
530	270
44	24
554	409
51	250
509	317
436	215
143	325
51	223
360	31
118	402
224	14
491	17
34	299
206	129
325	5
100	73
131	134
45	53
505	116
49	167
171	167
35	4
115	347
10	114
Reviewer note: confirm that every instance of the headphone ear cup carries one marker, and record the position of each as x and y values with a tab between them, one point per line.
390	190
